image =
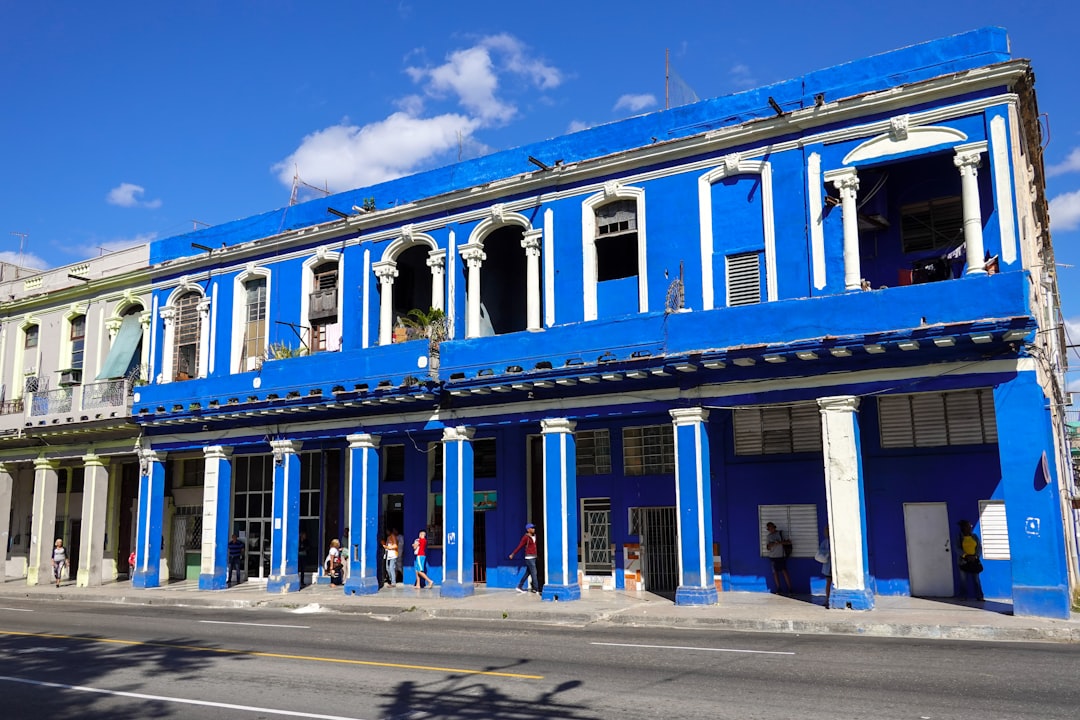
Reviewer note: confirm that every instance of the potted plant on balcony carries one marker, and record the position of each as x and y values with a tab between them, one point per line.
282	351
430	324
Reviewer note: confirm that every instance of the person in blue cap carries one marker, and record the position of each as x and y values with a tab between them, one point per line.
528	543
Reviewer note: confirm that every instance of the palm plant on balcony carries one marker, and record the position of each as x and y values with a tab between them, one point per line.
430	324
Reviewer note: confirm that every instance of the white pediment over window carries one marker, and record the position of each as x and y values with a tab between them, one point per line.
897	143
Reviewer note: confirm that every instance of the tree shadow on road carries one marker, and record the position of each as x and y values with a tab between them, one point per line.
38	673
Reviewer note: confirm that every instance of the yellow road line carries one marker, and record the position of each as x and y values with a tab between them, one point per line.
280	656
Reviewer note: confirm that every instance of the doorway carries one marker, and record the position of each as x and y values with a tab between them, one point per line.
929	549
479	546
596	536
659	549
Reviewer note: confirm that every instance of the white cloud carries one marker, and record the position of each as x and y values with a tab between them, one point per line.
130	195
26	260
1065	211
578	126
1069	164
635	103
346	156
741	76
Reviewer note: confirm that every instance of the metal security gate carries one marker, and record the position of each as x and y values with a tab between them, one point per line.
596	535
186	536
659	549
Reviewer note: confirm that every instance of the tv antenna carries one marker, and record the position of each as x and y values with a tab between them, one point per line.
297	182
22	244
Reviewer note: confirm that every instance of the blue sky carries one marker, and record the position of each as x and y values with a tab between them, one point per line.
122	122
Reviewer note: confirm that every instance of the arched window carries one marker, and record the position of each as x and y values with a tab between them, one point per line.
77	338
323	308
614	252
250	327
411	275
502	262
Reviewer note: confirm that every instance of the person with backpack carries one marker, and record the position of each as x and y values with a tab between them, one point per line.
777	549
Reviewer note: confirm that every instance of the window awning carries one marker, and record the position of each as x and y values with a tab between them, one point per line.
123	349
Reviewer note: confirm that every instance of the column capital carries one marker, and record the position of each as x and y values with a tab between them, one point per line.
458	432
839	403
281	448
846	180
92	459
168	314
531	241
473	254
552	426
44	463
204	306
363	441
386	271
689	416
217	452
436	260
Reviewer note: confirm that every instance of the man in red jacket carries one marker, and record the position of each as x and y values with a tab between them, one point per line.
528	542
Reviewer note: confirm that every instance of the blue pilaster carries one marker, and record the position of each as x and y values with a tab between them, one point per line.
560	512
1040	585
148	537
363	515
458	485
217	501
693	501
284	553
845	494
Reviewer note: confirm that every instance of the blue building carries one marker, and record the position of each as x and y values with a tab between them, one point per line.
828	301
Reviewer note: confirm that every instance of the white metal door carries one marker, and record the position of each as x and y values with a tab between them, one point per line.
929	551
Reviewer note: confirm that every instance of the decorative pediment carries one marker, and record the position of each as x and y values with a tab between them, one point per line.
903	139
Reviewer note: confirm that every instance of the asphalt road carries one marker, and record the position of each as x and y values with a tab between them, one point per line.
70	660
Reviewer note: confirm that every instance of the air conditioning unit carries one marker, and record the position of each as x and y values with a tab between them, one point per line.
70	377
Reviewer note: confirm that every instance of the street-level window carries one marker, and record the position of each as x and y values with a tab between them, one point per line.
960	417
649	450
993	531
797	523
593	452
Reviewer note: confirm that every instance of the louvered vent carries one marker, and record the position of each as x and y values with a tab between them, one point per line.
744	279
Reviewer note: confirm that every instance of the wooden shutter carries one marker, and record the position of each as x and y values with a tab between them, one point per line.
993	530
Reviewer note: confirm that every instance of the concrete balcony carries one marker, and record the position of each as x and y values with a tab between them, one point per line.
95	402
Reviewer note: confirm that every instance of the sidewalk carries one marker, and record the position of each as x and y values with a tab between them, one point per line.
753	612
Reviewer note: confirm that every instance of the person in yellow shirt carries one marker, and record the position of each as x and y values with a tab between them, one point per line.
970	562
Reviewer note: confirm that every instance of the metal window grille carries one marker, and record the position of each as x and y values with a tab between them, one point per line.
596	535
798	523
937	223
993	530
188	336
593	452
649	450
960	417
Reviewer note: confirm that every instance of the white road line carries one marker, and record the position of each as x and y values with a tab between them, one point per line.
225	622
16	609
182	701
702	649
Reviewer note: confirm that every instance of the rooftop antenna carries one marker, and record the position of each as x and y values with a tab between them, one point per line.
667	78
297	182
22	244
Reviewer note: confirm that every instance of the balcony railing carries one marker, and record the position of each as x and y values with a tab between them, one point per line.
51	401
110	393
10	407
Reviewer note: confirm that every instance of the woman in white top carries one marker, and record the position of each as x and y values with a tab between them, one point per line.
392	552
59	560
333	563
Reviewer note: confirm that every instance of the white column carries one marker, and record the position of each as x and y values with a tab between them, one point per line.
6	486
204	338
846	502
39	561
144	359
168	343
437	263
473	255
531	243
95	507
386	271
847	182
967	160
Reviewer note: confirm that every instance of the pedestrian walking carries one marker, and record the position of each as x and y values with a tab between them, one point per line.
390	545
334	566
236	559
824	556
302	556
419	548
528	544
970	561
59	560
776	547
